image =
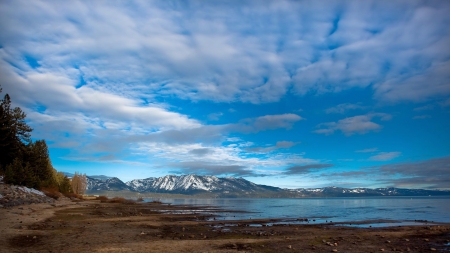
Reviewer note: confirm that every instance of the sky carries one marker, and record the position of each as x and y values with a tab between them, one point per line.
293	94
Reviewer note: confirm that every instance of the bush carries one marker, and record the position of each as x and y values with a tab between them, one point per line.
51	192
72	195
120	200
102	198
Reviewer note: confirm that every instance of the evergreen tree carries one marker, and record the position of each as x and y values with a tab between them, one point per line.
14	132
42	169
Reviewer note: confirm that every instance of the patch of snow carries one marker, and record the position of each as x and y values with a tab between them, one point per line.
31	190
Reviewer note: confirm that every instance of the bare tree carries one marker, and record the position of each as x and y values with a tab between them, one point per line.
79	183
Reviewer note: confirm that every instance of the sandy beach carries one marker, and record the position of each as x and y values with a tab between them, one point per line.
95	226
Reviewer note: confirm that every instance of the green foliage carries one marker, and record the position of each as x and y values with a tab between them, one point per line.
21	173
14	132
22	161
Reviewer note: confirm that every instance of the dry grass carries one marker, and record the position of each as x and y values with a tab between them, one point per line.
105	199
102	198
120	200
73	196
51	192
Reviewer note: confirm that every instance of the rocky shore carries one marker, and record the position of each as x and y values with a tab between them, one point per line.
124	226
13	195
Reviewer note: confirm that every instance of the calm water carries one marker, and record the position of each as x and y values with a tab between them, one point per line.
435	209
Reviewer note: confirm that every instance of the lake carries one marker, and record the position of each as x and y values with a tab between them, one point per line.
322	210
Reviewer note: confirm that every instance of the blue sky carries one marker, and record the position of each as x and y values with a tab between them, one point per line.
284	93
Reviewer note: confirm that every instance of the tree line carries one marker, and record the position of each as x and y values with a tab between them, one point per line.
27	162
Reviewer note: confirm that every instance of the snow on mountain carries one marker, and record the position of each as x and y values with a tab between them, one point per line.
239	187
194	184
110	184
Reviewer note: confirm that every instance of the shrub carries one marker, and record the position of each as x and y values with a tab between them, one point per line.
120	200
102	198
51	192
72	195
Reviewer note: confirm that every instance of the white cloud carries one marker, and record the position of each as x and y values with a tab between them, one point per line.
267	122
361	124
367	150
236	52
267	149
385	156
424	108
422	117
342	108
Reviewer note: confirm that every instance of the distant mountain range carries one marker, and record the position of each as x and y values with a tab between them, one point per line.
237	187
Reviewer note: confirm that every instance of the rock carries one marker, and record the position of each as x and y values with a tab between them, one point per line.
289	246
432	249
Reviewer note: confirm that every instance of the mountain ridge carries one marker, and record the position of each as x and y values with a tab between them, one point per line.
239	187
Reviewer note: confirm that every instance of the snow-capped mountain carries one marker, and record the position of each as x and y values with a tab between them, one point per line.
355	192
189	184
110	184
239	187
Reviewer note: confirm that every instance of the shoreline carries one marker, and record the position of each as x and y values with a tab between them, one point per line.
95	226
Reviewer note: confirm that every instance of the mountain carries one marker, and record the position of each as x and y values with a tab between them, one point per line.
238	187
192	184
110	184
364	192
99	177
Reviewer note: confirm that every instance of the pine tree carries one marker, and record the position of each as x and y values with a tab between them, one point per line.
14	132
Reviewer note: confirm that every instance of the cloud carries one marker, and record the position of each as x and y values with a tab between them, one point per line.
385	156
422	117
215	116
445	103
206	168
343	108
367	150
235	52
201	151
267	122
361	124
304	169
424	108
432	173
278	145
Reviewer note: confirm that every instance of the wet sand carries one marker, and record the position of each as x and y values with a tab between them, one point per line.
93	226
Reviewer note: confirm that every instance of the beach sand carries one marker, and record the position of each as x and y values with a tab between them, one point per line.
93	226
